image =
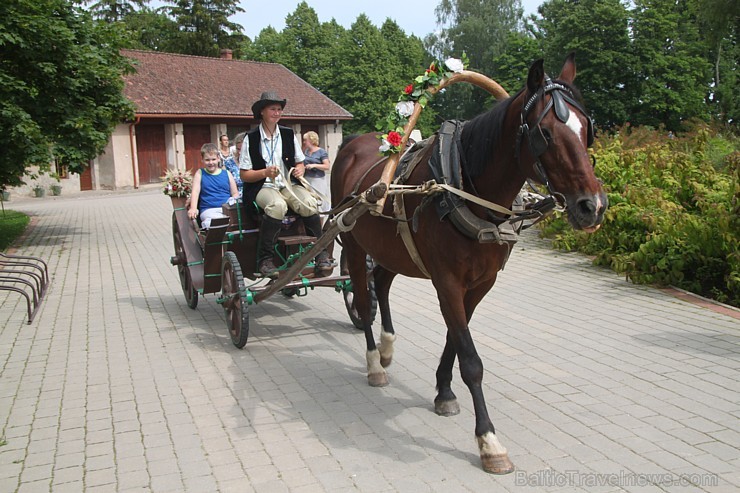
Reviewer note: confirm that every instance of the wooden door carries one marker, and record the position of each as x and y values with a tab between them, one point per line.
151	153
195	136
86	178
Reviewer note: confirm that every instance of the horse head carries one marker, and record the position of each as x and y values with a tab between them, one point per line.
554	135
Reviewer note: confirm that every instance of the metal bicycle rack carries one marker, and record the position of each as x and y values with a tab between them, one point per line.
27	276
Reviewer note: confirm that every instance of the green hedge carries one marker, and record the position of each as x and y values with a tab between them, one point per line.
12	225
674	211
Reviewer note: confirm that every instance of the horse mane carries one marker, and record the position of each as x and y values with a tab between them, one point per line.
481	135
347	140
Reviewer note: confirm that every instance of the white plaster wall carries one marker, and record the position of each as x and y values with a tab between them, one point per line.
117	163
217	131
331	136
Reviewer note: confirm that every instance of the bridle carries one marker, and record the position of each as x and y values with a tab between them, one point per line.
538	138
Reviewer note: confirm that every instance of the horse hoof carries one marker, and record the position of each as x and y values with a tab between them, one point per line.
447	408
497	464
377	379
386	362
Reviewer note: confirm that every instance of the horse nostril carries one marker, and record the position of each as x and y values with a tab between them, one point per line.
586	207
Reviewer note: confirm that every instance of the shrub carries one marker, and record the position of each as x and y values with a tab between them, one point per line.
674	211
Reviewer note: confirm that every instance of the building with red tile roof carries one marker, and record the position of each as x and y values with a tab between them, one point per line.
184	101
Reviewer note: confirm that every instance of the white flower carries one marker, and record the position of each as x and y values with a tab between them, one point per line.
405	108
385	146
454	64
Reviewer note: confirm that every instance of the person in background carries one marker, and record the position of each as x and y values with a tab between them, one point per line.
271	161
317	165
212	187
224	151
231	163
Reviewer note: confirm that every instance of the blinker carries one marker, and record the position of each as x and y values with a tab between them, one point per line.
561	109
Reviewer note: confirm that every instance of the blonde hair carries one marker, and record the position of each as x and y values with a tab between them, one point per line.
208	148
312	137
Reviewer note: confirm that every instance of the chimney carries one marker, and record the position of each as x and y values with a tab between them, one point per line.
226	54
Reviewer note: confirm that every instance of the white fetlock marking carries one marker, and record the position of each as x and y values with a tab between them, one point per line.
386	344
488	444
373	362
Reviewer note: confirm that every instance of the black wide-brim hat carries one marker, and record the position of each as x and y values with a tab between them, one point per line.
268	97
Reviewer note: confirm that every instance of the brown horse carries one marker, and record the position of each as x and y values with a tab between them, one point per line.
541	133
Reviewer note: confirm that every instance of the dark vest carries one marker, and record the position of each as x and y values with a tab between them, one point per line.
250	190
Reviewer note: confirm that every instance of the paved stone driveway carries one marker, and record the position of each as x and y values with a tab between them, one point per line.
594	384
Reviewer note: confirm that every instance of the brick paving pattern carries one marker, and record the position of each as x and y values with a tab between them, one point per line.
593	383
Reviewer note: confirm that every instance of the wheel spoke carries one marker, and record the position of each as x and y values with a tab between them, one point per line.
236	311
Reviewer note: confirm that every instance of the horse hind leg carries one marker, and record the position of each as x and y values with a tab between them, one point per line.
383	280
356	257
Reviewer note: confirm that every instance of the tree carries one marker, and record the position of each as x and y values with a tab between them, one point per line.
362	83
673	69
151	29
718	21
480	28
61	86
512	67
114	10
268	46
205	28
405	60
303	42
597	30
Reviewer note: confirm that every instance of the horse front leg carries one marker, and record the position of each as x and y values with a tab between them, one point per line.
494	456
383	280
445	404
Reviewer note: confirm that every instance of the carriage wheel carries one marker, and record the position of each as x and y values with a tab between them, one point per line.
186	282
235	306
349	297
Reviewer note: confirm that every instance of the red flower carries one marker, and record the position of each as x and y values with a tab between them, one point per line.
409	89
394	139
432	68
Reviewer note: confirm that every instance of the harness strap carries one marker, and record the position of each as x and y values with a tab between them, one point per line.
473	198
399	211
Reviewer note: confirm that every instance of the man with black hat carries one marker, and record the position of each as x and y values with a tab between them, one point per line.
271	161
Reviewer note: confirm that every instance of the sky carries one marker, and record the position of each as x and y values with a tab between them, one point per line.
413	17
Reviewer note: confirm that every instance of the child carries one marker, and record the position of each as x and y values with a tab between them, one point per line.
212	187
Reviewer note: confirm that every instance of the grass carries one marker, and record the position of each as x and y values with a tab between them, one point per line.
12	225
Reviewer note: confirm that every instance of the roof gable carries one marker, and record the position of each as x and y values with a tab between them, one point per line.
172	84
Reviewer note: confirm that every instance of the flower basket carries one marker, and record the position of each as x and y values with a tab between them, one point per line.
177	185
39	191
56	189
5	195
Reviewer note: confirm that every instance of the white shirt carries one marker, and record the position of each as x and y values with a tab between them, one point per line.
272	152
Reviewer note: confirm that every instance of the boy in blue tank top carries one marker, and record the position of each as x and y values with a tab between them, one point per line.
212	187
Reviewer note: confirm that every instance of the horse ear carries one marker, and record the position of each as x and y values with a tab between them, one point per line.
568	73
536	76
